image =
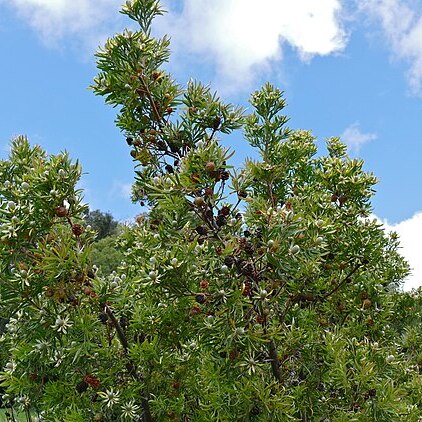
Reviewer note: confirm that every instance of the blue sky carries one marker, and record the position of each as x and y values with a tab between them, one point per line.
350	68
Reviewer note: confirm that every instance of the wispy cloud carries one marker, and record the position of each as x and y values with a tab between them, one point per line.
121	190
355	139
86	20
410	232
241	37
401	22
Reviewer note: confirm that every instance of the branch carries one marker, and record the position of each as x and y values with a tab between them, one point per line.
342	283
275	365
120	333
289	303
152	102
130	365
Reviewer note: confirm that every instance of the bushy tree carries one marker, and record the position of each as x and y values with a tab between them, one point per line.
105	256
102	222
265	294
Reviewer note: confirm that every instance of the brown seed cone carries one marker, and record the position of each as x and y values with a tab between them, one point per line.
210	167
216	123
61	211
204	284
225	211
195	310
225	175
77	229
209	192
342	199
92	380
201	230
199	201
81	387
200	298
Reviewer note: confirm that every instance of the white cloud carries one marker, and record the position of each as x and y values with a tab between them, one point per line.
121	190
86	20
401	21
240	36
354	138
410	232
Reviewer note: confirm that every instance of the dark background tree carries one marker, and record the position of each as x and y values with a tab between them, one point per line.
102	222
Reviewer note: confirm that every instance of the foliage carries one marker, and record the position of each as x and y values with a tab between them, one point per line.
105	256
5	415
267	294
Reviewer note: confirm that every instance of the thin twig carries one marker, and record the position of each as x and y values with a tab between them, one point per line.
344	281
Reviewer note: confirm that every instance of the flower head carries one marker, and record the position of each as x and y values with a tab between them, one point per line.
110	397
129	409
62	324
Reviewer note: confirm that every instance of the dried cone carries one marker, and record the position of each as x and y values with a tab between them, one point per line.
342	199
334	197
77	229
195	310
260	319
242	194
156	75
225	211
246	289
200	298
60	211
204	284
201	230
220	220
92	380
195	178
234	354
216	123
33	376
199	201
176	385
229	261
81	387
210	167
225	175
209	192
87	291
103	318
79	277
